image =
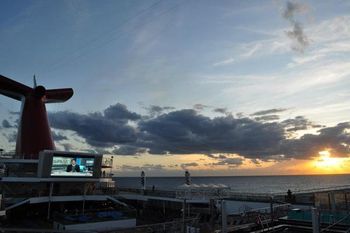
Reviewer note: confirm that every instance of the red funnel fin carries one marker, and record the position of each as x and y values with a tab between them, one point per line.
58	95
13	89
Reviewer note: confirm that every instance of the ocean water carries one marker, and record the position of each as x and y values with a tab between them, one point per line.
256	184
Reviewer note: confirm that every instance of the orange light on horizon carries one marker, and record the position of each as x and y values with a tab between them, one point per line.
325	163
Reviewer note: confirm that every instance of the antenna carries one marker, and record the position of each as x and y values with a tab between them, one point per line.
34	81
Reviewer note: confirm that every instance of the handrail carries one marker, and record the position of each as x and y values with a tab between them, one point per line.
331	188
336	223
234	193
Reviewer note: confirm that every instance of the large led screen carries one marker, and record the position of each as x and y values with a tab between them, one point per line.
72	166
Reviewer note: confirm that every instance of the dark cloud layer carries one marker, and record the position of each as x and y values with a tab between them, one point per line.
119	112
101	130
299	123
187	132
129	150
336	138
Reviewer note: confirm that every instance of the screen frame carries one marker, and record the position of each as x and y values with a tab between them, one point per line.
77	156
46	162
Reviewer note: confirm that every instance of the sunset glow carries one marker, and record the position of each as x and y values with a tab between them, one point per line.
325	163
164	88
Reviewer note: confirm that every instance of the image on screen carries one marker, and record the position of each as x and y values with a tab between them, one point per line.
72	166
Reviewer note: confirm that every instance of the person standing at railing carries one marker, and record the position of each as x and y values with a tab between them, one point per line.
290	197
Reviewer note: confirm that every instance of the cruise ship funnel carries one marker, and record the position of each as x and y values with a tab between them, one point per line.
34	133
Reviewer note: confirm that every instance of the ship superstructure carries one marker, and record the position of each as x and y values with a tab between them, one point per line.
44	188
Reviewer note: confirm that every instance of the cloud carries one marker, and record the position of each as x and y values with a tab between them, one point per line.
256	161
296	34
267	118
268	111
187	131
155	110
129	150
220	156
6	124
231	162
200	107
185	166
119	112
336	139
226	160
100	130
330	38
299	123
211	156
57	136
145	167
11	137
221	110
67	146
292	8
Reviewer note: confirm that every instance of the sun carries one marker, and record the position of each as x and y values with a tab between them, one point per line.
327	163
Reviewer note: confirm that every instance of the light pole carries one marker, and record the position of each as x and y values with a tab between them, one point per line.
143	182
223	217
110	170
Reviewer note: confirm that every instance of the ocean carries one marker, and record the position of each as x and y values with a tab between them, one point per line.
255	184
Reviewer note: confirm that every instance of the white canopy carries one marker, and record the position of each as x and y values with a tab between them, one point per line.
202	186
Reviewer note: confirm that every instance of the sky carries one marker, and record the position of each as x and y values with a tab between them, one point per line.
213	87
